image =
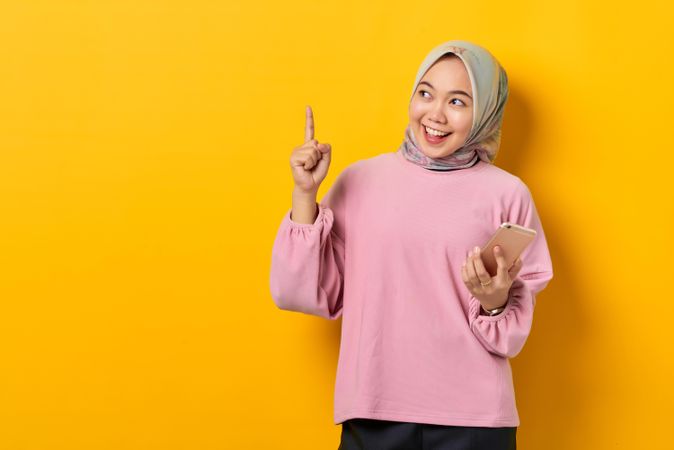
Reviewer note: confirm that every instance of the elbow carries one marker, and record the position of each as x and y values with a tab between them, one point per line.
508	350
282	299
278	294
309	305
502	339
514	340
513	349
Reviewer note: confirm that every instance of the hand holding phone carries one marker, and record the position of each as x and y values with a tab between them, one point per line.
512	239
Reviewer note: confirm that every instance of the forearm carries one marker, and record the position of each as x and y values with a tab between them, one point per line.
305	208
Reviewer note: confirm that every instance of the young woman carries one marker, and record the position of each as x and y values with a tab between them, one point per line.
393	249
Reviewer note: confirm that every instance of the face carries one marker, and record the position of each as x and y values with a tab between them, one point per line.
443	101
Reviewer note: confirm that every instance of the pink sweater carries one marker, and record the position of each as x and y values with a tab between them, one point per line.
385	255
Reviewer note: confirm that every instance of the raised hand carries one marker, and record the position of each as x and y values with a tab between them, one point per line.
309	162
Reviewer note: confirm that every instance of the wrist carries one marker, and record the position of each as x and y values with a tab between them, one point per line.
492	310
304	195
304	208
495	305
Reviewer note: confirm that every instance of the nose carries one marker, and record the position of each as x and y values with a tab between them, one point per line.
436	114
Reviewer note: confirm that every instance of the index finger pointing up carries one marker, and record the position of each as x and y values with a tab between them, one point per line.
309	125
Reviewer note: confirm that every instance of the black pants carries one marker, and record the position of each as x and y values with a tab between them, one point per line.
371	434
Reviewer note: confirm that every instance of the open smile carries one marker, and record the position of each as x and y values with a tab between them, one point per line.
432	139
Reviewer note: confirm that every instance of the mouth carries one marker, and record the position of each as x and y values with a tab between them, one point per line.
432	139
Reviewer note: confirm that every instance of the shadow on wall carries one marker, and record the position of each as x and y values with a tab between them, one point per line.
549	393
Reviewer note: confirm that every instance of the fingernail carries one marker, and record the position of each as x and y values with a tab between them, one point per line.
497	248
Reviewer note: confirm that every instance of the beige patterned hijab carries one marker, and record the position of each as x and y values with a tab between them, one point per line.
489	83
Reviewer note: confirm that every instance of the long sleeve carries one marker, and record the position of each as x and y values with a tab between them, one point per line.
506	333
307	261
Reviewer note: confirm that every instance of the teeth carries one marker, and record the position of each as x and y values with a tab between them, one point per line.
435	132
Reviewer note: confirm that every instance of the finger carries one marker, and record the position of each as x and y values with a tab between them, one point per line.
310	161
466	278
309	125
324	148
517	266
502	265
472	274
324	156
482	274
464	275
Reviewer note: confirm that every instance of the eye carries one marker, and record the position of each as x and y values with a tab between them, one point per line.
422	92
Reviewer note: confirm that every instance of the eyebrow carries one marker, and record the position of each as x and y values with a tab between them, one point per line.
450	92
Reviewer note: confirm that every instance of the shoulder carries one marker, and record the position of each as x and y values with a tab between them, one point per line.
371	163
347	178
365	168
506	183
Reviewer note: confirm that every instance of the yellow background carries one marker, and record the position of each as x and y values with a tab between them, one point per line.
144	173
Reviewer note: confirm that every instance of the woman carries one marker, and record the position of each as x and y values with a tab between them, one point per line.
393	249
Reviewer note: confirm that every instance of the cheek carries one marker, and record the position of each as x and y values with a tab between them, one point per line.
416	110
463	121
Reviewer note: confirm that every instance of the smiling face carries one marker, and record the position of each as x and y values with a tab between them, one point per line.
443	100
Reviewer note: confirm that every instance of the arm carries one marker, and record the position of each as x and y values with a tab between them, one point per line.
304	208
505	334
307	263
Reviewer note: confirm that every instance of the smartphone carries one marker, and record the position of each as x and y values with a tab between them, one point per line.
512	239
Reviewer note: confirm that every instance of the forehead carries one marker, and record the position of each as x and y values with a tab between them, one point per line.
447	73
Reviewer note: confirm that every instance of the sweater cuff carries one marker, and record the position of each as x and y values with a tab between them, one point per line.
475	307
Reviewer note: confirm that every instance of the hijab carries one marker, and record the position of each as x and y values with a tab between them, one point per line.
489	83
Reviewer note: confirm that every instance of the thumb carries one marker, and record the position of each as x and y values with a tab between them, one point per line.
326	152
